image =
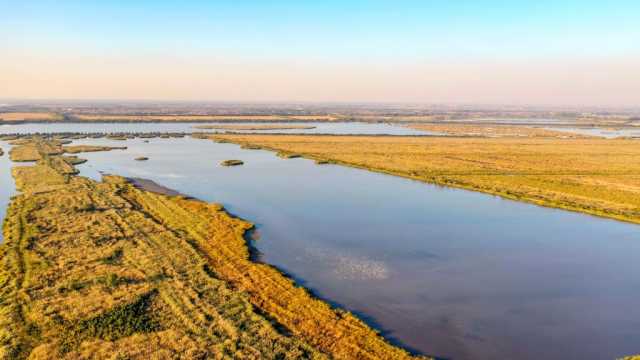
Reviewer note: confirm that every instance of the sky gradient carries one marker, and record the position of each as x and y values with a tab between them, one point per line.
484	51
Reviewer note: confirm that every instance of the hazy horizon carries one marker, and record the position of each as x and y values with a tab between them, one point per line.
578	53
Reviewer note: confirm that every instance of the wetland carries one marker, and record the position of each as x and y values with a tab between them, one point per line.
439	271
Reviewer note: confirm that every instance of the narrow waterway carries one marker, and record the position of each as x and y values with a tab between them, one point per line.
7	185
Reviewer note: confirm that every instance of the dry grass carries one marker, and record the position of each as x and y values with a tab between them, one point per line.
105	270
255	127
74	149
28	150
30	116
31	149
595	176
195	118
495	131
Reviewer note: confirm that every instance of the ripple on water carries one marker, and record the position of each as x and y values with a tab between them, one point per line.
348	266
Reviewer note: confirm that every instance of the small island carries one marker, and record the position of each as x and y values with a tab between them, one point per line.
232	163
288	155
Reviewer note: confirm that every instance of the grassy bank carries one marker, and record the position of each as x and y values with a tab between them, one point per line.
106	270
594	176
32	149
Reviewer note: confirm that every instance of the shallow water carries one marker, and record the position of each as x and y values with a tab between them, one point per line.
445	272
320	128
7	186
609	133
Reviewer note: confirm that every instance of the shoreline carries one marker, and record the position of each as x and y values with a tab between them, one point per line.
188	227
507	194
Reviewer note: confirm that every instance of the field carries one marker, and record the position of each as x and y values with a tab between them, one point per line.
196	118
594	176
106	270
29	116
255	127
494	130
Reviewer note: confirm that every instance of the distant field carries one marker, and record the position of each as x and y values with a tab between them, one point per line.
195	118
595	176
255	127
494	130
30	116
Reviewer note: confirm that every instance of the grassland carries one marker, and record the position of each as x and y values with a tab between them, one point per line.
104	270
30	116
595	176
255	127
495	131
32	149
74	149
196	118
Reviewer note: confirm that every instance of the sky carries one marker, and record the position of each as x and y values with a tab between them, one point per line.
538	52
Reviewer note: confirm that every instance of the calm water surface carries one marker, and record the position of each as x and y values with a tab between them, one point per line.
602	131
7	186
445	272
320	128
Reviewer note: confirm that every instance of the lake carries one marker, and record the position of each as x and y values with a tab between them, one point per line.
446	272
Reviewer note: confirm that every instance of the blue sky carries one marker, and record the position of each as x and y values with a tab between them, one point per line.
329	32
328	29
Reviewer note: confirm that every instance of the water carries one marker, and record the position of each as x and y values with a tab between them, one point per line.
7	186
445	272
608	133
320	128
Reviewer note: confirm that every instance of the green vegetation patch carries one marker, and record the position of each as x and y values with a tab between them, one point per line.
121	321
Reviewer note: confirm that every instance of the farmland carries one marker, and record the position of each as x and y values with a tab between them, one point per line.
29	116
